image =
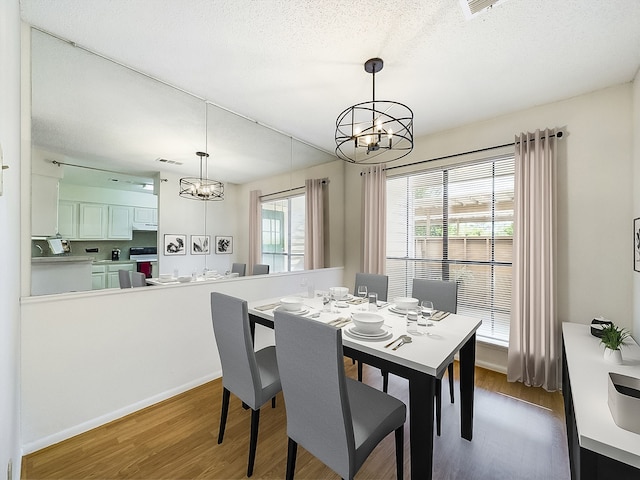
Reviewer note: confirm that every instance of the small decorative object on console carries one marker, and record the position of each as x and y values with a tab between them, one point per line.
597	324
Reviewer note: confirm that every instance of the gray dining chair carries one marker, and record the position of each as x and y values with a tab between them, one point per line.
239	268
251	376
138	279
444	295
124	278
338	420
375	283
260	269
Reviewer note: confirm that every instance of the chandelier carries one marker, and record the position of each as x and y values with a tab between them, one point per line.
202	188
372	132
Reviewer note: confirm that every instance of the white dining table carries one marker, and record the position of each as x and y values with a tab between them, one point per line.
421	362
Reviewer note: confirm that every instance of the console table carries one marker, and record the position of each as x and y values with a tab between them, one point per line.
598	448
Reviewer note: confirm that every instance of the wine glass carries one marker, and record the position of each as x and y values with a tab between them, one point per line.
427	310
362	293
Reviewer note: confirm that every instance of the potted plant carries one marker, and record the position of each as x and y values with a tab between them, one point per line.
613	338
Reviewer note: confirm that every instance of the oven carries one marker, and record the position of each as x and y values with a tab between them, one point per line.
143	256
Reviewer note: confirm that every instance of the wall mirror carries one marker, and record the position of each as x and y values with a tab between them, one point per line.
133	131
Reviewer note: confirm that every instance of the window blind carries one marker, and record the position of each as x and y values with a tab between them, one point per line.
456	224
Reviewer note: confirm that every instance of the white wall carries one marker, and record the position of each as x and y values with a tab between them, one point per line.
188	217
594	204
636	197
10	142
91	357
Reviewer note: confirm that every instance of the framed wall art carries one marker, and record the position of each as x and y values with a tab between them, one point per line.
175	244
224	244
200	244
636	244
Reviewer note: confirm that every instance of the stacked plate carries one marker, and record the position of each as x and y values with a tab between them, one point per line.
383	334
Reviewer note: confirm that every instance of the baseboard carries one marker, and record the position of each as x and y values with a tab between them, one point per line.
109	417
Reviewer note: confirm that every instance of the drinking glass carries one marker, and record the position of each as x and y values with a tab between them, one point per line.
373	302
412	321
362	293
425	318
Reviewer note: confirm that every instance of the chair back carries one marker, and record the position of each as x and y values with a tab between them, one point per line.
239	268
240	373
443	294
138	279
124	278
260	269
311	366
375	283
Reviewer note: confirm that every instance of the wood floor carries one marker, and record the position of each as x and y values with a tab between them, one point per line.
517	429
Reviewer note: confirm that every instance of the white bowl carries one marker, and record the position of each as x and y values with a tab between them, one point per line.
165	277
291	304
406	303
339	293
366	322
185	279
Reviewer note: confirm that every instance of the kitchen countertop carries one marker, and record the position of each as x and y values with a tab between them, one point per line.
61	259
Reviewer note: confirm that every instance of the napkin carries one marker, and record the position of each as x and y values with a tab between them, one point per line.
270	306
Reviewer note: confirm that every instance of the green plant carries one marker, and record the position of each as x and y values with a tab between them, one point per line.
613	337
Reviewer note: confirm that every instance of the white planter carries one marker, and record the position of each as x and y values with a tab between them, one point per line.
613	356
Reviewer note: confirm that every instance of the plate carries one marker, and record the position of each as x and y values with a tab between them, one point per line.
341	304
304	310
393	308
376	337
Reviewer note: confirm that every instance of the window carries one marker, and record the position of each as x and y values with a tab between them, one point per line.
456	224
283	234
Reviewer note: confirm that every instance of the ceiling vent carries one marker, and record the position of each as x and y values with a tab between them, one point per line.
473	8
170	162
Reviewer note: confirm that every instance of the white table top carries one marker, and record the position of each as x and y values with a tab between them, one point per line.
199	279
427	354
588	374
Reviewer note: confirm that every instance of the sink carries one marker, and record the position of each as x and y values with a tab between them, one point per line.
624	401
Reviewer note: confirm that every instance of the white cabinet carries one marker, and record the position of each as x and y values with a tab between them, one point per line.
44	200
145	215
98	277
92	221
68	219
106	275
119	226
113	280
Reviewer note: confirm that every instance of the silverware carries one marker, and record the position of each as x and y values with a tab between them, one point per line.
405	339
393	341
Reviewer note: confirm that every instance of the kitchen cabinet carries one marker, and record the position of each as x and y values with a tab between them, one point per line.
105	275
44	200
119	226
145	215
113	280
68	219
92	221
98	277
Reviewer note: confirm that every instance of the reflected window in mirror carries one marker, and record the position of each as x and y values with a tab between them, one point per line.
283	236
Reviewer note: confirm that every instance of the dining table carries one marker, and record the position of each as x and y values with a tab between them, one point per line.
421	361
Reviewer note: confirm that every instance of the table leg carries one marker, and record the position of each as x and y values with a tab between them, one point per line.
467	384
421	393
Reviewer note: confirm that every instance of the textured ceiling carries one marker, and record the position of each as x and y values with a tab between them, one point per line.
296	64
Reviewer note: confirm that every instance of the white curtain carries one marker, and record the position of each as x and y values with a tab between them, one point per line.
255	229
314	224
374	219
534	356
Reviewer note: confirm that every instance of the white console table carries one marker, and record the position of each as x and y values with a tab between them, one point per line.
598	448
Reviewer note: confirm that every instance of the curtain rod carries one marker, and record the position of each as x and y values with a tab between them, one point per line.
325	181
558	135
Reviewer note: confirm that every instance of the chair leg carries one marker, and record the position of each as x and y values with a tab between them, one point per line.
438	394
359	371
450	372
292	451
273	402
400	452
253	441
385	381
223	415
